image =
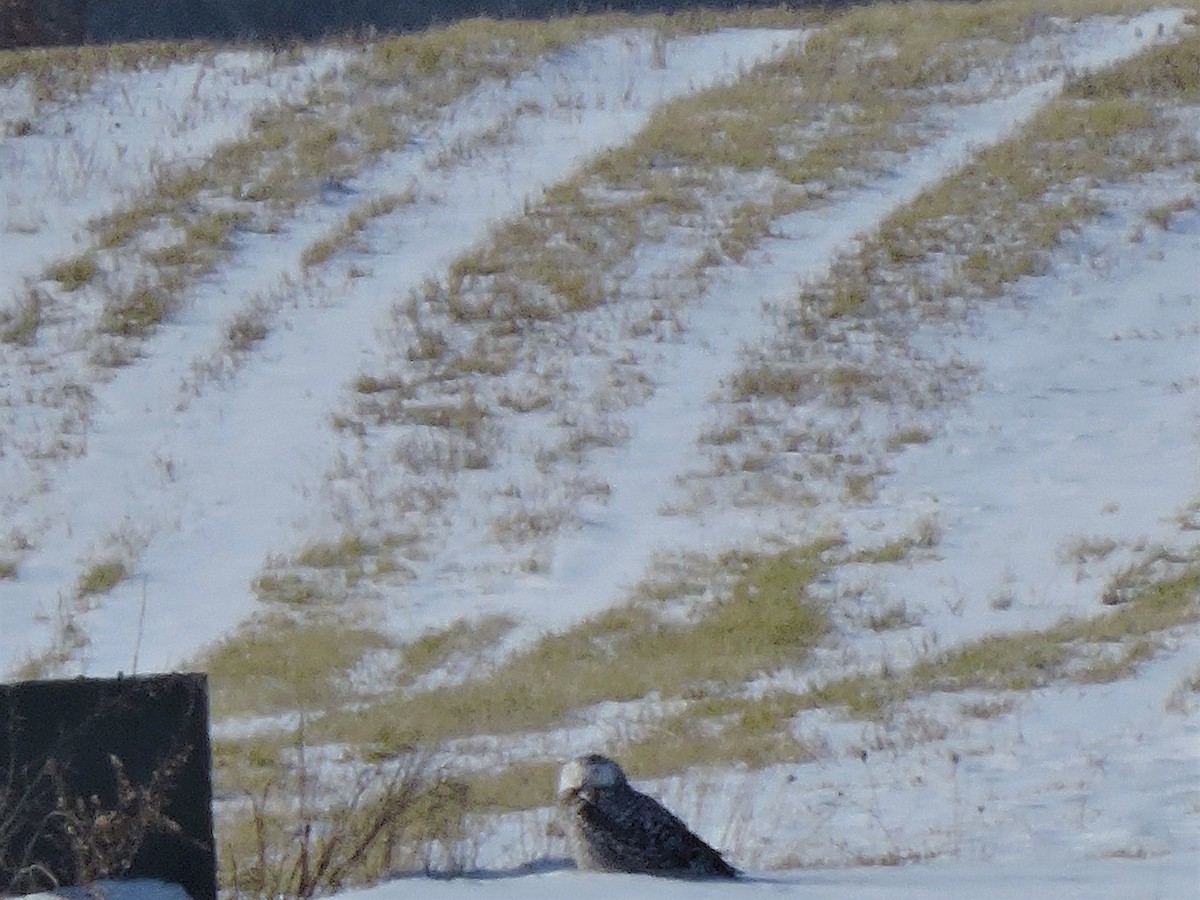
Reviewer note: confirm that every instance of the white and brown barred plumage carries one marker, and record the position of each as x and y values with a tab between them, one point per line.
614	828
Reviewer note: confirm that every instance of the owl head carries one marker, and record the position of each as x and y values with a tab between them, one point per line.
588	773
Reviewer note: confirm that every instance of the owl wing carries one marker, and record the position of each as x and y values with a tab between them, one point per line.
652	839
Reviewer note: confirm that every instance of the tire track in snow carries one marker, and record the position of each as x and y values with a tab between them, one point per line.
594	567
88	156
245	462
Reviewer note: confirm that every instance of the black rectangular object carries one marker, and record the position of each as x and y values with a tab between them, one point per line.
106	778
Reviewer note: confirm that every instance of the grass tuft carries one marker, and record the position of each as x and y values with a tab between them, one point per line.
20	327
340	554
137	313
289	589
101	577
74	273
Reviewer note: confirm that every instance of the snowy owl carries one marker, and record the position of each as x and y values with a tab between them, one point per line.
614	828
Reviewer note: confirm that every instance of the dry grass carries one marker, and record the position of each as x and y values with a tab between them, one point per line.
463	639
907	437
623	654
556	263
1000	215
345	553
811	118
332	134
1162	215
1169	71
513	787
61	71
988	709
291	838
291	589
101	577
74	273
719	727
969	238
138	312
20	326
716	733
89	837
247	329
1098	649
284	665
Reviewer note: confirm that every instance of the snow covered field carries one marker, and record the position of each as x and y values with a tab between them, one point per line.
1063	456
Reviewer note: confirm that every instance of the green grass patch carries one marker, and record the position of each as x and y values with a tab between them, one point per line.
723	730
861	696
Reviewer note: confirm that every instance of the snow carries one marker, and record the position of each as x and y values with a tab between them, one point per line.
244	462
1092	880
1074	447
90	152
1083	425
134	889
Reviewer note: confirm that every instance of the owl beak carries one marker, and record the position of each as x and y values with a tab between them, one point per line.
569	790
